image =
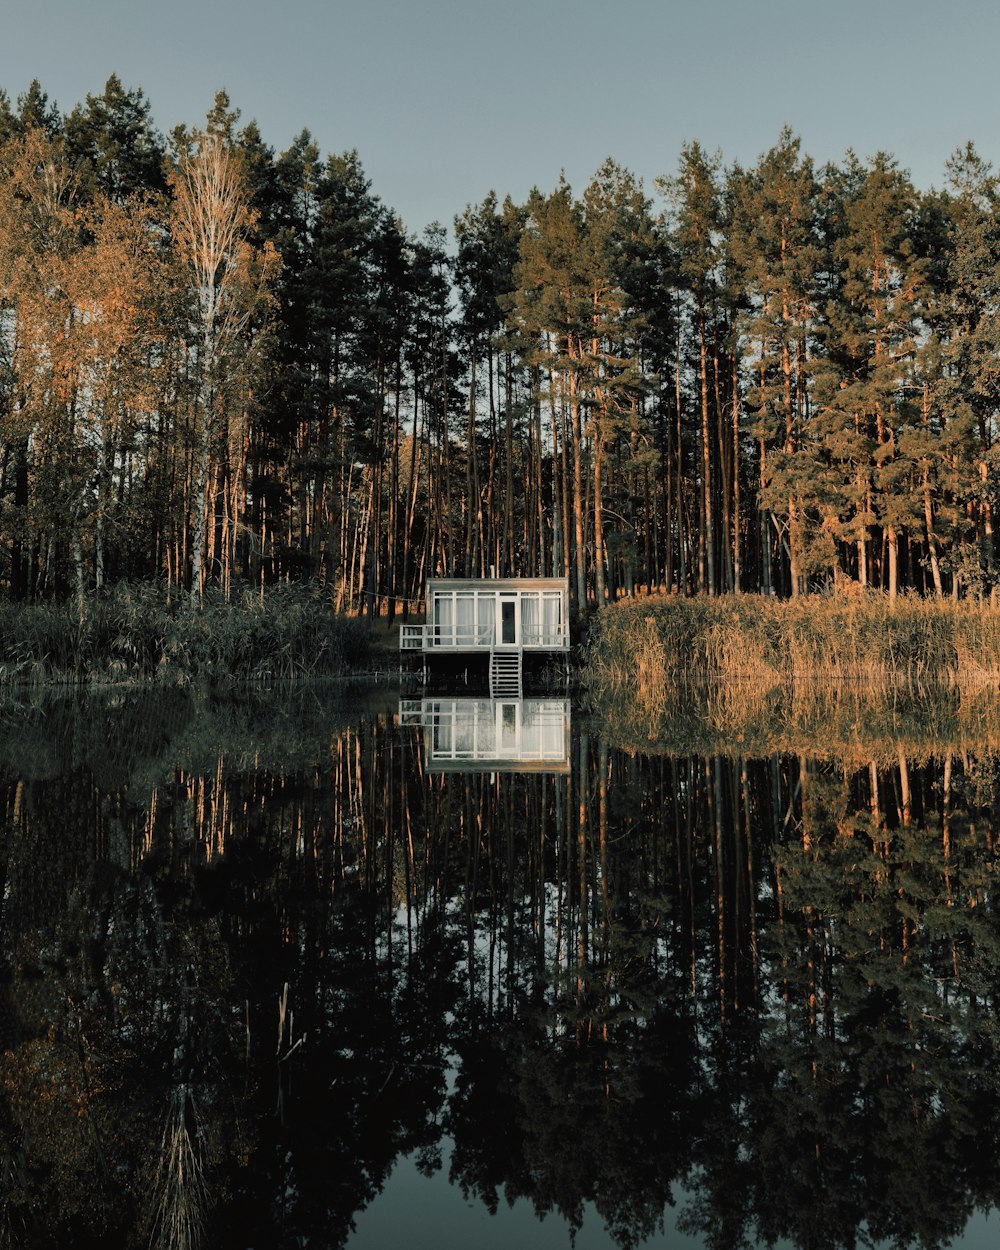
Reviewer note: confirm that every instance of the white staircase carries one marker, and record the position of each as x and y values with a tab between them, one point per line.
505	674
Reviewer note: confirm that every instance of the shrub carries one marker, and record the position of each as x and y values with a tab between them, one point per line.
136	631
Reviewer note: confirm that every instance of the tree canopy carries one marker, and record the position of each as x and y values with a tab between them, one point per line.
225	365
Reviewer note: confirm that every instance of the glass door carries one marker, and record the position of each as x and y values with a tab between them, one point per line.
509	730
507	622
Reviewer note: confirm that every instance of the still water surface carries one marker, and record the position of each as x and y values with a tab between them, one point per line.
321	970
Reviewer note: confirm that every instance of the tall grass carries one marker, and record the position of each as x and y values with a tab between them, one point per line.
863	640
136	632
845	675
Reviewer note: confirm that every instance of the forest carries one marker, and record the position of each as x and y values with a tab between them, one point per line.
223	367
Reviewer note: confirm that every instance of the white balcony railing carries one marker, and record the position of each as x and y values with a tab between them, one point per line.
543	635
411	637
434	637
460	635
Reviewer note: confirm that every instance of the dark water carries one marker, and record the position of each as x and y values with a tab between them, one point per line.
318	971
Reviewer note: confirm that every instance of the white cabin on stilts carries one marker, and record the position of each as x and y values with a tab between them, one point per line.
503	619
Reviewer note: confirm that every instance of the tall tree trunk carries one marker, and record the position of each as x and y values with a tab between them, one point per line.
707	544
892	539
737	565
578	514
931	539
681	563
199	495
599	585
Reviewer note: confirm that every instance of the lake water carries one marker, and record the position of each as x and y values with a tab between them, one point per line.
335	968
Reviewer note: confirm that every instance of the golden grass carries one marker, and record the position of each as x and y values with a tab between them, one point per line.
862	639
853	677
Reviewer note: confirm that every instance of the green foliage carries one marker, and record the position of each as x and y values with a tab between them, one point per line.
237	366
138	632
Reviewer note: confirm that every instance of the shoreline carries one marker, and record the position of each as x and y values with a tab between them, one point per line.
646	647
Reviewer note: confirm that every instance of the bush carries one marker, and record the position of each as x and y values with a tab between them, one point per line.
136	631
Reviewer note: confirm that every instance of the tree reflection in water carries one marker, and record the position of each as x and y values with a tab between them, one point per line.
255	953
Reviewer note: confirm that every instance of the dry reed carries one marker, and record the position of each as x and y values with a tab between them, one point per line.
864	640
180	1198
852	676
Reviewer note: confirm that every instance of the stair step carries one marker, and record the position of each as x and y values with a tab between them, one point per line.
505	674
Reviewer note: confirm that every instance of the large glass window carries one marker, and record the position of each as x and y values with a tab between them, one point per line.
486	615
552	612
531	622
444	619
465	620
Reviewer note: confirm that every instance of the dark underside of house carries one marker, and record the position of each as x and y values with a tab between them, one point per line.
468	672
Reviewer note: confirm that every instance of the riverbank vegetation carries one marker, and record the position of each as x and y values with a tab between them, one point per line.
861	640
843	675
223	367
137	633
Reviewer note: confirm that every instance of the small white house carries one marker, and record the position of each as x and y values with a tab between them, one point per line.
500	618
470	614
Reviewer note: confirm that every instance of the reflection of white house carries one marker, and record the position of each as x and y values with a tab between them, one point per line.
484	735
500	617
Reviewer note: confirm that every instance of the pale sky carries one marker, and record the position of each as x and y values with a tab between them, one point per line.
446	99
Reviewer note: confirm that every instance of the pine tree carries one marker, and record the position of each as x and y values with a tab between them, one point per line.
959	379
695	223
774	241
488	238
869	337
112	135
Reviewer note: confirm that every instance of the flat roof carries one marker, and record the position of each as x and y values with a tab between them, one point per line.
498	583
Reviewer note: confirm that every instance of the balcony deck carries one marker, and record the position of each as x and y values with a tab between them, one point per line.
454	638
